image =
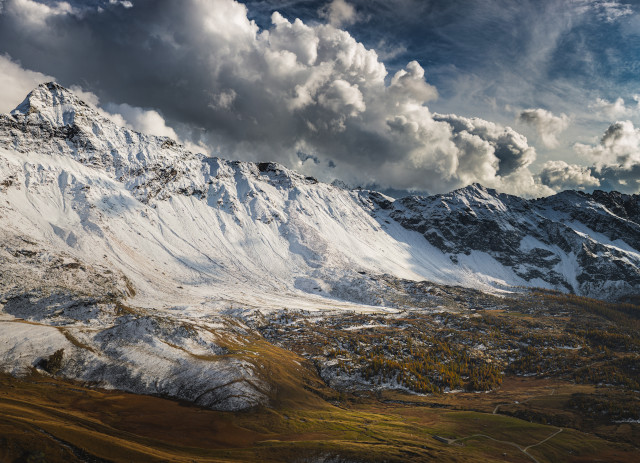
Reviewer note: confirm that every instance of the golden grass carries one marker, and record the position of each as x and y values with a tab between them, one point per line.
64	421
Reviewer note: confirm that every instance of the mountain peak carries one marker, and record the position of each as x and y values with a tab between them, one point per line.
474	190
474	187
52	103
53	120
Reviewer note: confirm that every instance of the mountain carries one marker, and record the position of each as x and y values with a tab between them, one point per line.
134	255
574	242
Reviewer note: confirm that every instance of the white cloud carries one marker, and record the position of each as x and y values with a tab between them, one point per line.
614	109
494	155
547	126
388	51
142	120
342	97
562	176
16	82
124	3
616	157
339	13
88	97
147	121
620	146
315	89
409	83
34	14
295	37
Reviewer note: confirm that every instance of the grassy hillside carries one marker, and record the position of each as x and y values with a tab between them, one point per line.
342	388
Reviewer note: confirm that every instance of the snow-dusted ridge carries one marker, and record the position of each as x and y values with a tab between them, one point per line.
187	239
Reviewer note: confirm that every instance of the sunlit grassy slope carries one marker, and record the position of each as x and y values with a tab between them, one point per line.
43	419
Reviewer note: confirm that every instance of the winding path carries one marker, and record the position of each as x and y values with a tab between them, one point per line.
524	450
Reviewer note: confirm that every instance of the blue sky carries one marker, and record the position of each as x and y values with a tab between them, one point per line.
529	97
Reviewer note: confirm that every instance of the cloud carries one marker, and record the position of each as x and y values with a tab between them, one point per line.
409	83
339	13
616	157
389	51
223	100
88	97
269	94
142	120
615	163
124	3
562	176
620	145
615	109
547	126
609	11
147	121
509	147
16	82
34	14
304	157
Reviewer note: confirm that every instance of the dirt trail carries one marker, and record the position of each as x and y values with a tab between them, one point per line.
524	450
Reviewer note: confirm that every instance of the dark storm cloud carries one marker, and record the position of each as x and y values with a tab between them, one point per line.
265	94
508	146
306	157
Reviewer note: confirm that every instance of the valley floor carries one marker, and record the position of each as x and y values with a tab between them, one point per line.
537	376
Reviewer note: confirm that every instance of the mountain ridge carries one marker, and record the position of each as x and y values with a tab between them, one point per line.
461	223
136	257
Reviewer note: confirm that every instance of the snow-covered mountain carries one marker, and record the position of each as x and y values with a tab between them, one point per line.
573	242
92	213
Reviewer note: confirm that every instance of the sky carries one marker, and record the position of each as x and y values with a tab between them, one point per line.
529	97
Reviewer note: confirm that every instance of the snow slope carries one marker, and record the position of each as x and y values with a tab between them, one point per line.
252	234
92	213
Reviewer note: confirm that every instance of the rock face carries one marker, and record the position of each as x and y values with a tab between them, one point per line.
130	252
581	243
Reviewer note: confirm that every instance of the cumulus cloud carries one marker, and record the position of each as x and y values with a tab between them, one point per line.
339	13
620	145
142	120
88	97
547	126
410	83
16	82
492	154
560	175
269	94
615	109
509	148
616	157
